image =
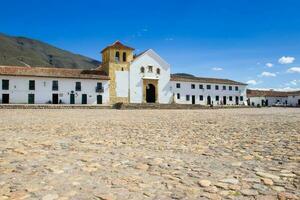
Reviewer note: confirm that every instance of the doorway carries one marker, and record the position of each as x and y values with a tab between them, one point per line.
150	93
193	99
72	98
99	99
5	98
30	98
236	100
208	100
84	99
54	98
224	100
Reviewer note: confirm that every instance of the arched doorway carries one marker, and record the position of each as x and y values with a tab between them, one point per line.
208	100
150	93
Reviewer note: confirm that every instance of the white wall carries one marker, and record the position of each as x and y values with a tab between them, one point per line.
122	83
19	89
186	89
150	58
294	100
271	100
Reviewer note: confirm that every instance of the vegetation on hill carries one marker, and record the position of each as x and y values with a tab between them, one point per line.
21	51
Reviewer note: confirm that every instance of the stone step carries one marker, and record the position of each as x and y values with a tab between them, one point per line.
51	106
168	106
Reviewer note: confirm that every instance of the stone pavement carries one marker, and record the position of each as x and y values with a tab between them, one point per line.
150	154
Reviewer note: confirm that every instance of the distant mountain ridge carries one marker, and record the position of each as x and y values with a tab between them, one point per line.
22	51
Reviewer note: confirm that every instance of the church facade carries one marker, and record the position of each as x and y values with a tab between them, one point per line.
121	77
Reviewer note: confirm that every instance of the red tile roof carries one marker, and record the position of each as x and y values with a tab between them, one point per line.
117	45
53	72
271	93
184	78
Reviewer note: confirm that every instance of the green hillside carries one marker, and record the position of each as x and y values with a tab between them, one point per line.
21	51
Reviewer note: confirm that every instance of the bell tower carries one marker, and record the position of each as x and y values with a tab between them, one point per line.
116	58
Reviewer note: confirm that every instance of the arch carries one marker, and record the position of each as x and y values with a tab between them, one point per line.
117	56
142	69
208	100
150	93
124	57
158	71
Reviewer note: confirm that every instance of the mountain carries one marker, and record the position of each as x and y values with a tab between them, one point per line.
21	51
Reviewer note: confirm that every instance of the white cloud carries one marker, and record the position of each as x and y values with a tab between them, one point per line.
277	89
268	74
295	82
269	65
294	70
217	68
286	60
252	82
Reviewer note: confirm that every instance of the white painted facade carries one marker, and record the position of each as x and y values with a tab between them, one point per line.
19	89
136	77
267	101
189	90
294	100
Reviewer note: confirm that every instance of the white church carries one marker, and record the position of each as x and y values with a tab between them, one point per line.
121	77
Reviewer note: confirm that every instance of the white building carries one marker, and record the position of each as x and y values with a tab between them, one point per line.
122	77
22	85
207	91
271	98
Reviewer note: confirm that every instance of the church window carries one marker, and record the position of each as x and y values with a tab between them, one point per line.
158	71
117	56
142	69
150	69
124	56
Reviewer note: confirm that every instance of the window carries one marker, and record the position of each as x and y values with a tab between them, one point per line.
124	57
31	85
236	88
5	84
178	96
158	71
187	97
142	69
150	69
224	87
99	85
201	97
200	86
55	85
230	87
241	98
78	86
216	87
177	85
217	98
193	86
117	56
230	98
208	87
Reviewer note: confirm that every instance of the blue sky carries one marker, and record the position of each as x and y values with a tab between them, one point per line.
254	41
